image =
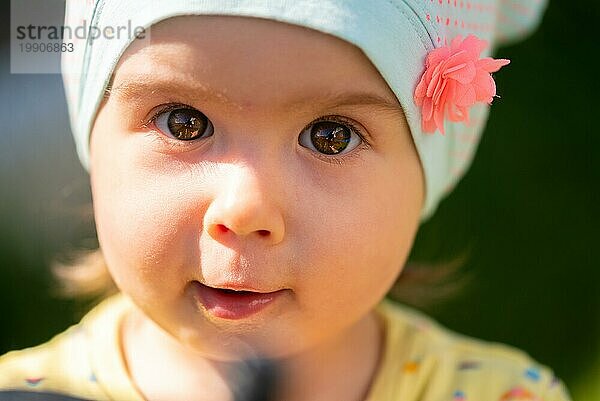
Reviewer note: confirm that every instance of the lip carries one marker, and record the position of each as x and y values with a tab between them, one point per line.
232	302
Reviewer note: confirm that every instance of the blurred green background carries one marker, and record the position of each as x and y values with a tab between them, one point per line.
527	209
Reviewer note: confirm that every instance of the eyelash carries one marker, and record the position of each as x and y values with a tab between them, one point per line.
355	153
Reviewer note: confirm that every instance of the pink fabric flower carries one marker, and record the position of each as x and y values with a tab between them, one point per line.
455	78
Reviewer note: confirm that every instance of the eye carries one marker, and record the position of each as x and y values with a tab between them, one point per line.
183	123
330	137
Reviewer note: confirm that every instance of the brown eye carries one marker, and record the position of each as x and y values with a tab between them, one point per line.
184	123
329	137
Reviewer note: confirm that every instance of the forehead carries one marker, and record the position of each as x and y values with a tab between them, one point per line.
249	60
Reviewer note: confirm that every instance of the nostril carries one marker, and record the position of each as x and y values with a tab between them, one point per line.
222	228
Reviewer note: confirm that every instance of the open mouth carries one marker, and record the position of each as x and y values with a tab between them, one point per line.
233	304
241	292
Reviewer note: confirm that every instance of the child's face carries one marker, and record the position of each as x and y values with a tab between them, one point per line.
265	196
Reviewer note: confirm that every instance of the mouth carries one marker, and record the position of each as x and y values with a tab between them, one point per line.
232	303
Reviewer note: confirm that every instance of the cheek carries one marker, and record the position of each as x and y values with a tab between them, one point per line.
364	235
137	229
141	220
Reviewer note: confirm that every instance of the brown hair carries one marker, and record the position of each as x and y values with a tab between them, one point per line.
84	276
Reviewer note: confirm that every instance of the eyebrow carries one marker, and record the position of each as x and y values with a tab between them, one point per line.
130	91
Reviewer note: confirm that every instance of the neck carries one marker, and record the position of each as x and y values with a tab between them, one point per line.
343	367
345	363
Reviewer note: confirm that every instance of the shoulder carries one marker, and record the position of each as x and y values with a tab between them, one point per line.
443	364
62	365
52	366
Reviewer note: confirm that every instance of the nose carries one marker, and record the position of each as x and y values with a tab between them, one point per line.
243	207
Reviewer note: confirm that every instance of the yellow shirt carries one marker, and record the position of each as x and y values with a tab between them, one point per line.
422	361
